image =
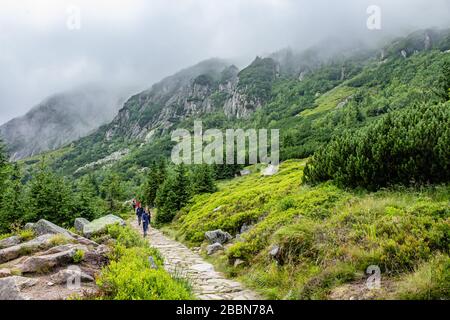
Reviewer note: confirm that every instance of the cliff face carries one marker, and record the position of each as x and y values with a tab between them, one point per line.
210	86
59	120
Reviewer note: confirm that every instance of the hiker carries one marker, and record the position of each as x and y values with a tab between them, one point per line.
139	212
133	204
146	220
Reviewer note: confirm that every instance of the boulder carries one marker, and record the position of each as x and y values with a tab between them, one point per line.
47	262
45	227
9	242
245	172
39	243
10	287
275	253
97	257
100	225
270	170
80	223
70	273
64	247
213	248
28	226
5	273
218	236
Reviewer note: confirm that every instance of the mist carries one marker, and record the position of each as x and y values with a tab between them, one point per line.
50	46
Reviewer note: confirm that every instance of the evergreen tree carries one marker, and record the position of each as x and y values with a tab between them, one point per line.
12	206
173	195
155	179
203	180
166	201
86	204
49	197
112	191
3	166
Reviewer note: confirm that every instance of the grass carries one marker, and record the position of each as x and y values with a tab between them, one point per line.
330	100
58	240
327	236
78	257
130	275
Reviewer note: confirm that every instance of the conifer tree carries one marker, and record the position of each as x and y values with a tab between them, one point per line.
203	180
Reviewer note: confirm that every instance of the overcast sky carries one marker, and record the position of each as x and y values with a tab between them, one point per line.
137	42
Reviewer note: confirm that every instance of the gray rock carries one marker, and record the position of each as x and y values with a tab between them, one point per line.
217	209
45	263
100	225
10	287
275	253
245	172
245	227
39	243
80	223
9	242
5	273
28	226
213	248
97	257
70	273
45	227
218	236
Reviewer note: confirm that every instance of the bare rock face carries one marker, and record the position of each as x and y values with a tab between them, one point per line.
46	227
9	242
48	260
71	272
218	236
5	273
10	287
100	225
80	223
39	243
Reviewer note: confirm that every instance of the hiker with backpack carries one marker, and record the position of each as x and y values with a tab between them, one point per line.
146	218
139	212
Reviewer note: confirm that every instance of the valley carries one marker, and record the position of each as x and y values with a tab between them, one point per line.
363	181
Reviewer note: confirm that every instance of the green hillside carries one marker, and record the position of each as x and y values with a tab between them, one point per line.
327	237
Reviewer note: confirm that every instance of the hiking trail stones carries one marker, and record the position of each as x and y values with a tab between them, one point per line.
207	283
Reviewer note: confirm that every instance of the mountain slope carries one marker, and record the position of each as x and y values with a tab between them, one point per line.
310	101
60	119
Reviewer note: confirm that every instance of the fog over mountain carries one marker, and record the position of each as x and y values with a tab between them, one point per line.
60	119
139	43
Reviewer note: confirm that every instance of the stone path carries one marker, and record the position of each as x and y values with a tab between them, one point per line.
207	283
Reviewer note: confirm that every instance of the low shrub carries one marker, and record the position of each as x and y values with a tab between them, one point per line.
78	256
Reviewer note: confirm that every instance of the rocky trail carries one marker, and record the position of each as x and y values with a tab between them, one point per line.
207	283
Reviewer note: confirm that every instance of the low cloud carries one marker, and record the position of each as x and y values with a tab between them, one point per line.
138	43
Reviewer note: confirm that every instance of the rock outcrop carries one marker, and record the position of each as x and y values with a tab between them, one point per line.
13	252
101	224
218	236
46	227
9	242
80	223
48	267
213	248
